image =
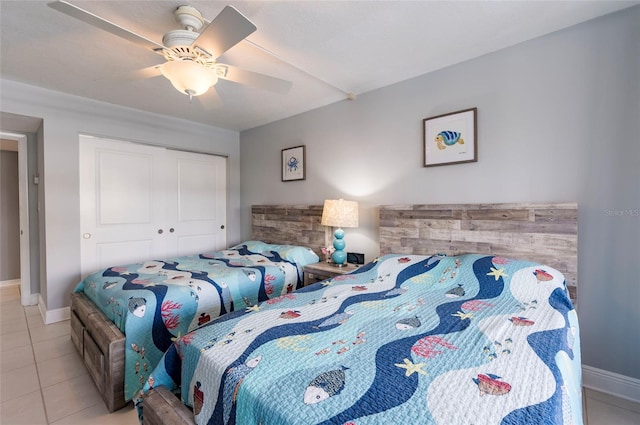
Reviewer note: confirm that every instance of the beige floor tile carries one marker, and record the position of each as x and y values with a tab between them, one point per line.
601	413
16	358
11	310
12	340
55	330
18	382
99	415
35	320
18	323
25	410
616	401
9	293
52	348
60	369
70	397
32	310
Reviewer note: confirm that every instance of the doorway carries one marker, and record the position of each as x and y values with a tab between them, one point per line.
20	142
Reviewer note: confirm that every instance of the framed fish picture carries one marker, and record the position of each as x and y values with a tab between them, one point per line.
293	164
451	138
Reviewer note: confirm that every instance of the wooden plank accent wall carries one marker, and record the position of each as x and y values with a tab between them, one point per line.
290	224
544	233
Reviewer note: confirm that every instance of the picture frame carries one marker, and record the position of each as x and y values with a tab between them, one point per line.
293	164
450	138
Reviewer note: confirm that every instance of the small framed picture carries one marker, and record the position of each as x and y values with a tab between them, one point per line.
451	138
293	164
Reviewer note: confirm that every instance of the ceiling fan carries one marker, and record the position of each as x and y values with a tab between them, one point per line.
190	54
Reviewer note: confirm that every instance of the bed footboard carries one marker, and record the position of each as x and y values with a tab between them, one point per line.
161	407
101	346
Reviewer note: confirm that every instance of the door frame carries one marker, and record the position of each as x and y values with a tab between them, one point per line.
23	191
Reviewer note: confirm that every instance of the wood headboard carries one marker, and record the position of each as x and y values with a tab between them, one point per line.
290	224
544	233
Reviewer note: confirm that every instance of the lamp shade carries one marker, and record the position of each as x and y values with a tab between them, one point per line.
189	77
340	213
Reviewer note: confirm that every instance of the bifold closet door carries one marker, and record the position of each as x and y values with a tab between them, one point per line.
140	202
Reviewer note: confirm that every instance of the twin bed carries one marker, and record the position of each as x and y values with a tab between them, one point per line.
155	302
411	336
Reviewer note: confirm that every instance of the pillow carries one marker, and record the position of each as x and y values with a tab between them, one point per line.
298	254
253	246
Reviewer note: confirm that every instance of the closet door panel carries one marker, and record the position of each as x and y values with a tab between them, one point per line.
121	206
198	209
124	188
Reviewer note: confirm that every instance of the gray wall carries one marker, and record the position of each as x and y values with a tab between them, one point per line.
558	120
34	225
9	217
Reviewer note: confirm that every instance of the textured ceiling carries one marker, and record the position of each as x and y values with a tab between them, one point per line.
326	48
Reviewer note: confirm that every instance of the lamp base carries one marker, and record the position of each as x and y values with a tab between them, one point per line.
339	256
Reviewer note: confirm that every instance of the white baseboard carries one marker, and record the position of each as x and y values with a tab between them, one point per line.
611	383
53	316
12	282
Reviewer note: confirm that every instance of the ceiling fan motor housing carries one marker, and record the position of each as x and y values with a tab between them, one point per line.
189	17
179	42
177	38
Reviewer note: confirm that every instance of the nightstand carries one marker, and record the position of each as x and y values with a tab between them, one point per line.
320	271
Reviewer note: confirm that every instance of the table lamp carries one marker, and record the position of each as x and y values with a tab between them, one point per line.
339	213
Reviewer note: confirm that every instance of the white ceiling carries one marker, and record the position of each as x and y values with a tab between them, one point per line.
326	48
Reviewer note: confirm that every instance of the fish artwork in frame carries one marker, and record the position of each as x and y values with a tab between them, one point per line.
451	138
293	164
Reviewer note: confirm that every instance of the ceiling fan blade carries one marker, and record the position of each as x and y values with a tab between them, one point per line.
91	19
228	29
254	79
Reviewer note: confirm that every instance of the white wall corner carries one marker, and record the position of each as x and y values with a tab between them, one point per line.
611	383
53	316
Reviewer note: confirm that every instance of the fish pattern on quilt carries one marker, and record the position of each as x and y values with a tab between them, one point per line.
405	339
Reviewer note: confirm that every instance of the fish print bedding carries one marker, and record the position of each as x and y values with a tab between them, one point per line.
155	302
471	339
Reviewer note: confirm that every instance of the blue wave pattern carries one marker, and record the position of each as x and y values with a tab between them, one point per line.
379	345
156	302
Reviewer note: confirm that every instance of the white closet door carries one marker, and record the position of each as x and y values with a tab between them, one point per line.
121	206
196	204
140	202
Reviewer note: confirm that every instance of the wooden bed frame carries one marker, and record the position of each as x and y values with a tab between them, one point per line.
102	345
546	233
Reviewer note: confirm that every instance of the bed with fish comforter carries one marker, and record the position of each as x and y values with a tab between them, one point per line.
471	339
155	302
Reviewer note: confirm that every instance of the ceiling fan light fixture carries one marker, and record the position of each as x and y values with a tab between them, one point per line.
189	77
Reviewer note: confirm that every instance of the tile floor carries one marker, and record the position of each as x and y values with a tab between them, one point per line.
43	380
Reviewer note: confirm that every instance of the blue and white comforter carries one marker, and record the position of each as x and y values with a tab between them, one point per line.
156	302
410	339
